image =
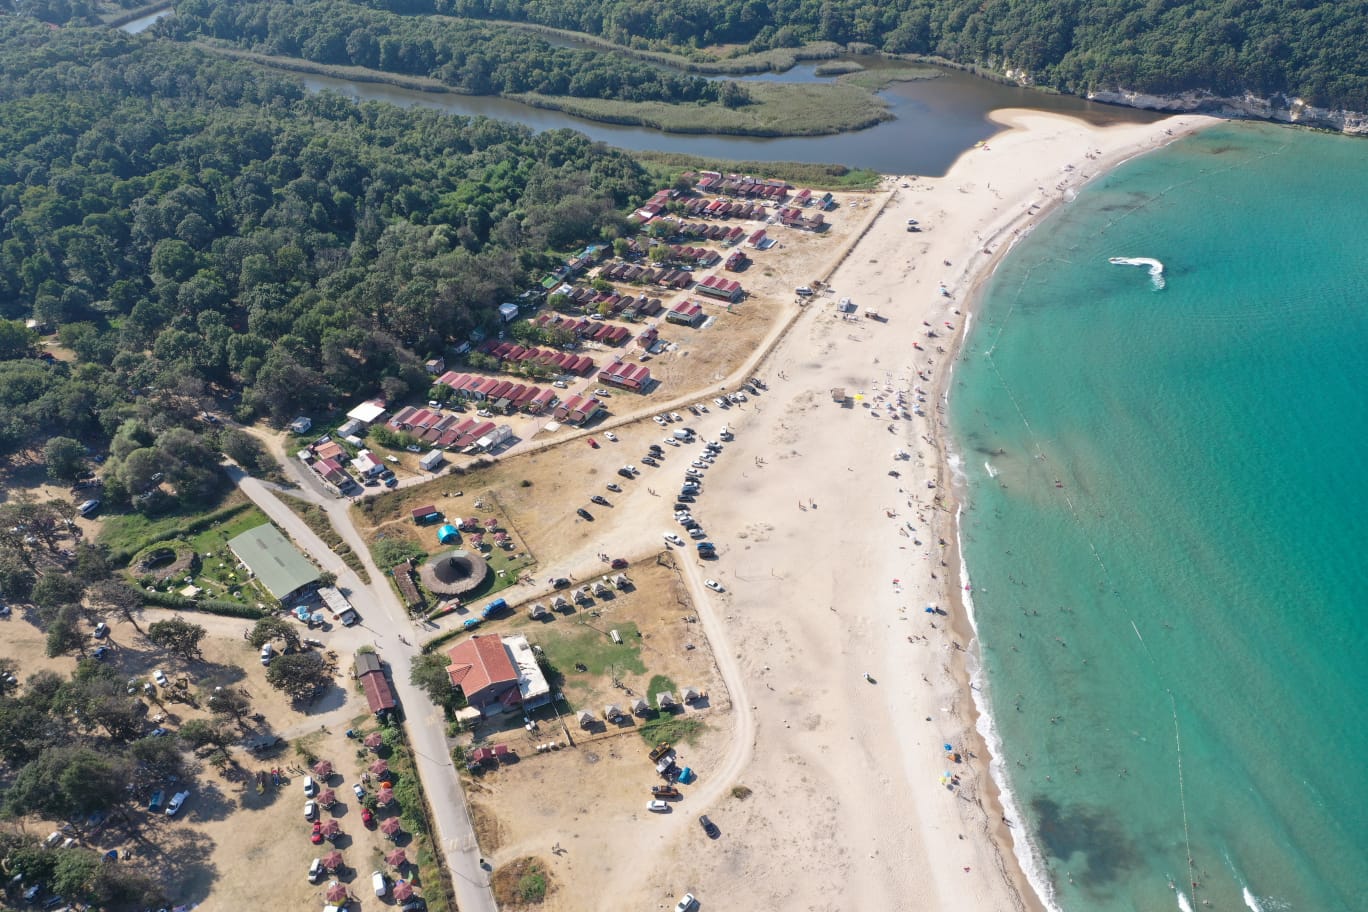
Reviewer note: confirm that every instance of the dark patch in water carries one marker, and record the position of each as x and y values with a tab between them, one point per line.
1086	831
1220	150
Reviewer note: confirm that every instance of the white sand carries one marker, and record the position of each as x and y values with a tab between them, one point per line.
848	810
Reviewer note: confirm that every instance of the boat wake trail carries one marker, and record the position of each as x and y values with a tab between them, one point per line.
1156	268
1252	901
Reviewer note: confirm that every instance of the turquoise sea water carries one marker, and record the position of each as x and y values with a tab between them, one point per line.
1170	568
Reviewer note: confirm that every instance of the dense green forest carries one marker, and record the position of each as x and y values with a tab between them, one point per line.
198	231
472	57
1313	49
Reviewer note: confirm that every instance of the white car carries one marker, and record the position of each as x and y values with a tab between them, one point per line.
686	903
699	464
177	800
702	407
633	469
160	677
310	787
379	883
609	435
360	792
657	806
310	810
720	402
674	539
603	393
714	585
671	441
675	416
741	397
315	870
659	419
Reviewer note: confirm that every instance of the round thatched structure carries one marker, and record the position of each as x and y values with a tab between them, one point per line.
453	572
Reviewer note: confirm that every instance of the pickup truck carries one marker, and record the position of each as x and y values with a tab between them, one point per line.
666	791
660	750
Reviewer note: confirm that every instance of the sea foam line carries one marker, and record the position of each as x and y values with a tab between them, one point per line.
1027	854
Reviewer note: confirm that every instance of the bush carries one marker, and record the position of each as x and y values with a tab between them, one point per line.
390	552
532	887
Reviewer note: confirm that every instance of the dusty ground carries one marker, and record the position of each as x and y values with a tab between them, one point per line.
232	846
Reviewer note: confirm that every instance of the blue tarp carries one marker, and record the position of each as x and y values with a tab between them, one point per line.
447	533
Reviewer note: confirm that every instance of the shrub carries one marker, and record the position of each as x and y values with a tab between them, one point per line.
532	887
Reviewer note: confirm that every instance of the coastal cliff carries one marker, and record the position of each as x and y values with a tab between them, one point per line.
1278	108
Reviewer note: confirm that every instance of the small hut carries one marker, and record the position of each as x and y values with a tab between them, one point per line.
612	712
538	610
621	581
640	707
559	603
691	694
600	589
585	717
666	700
582	595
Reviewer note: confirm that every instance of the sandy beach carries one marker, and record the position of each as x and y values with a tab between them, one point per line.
833	547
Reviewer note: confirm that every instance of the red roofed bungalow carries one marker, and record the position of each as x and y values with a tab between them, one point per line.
379	696
756	239
686	313
400	420
482	669
541	401
566	407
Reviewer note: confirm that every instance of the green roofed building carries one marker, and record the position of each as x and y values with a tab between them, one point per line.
275	561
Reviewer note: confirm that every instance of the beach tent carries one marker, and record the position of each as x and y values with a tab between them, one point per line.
447	534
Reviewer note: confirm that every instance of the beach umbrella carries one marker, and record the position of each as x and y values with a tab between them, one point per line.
379	768
323	769
396	859
328	798
948	747
391	826
491	523
336	892
374	740
333	860
330	829
403	891
385	796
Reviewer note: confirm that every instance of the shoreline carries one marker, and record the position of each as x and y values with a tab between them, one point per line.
1025	867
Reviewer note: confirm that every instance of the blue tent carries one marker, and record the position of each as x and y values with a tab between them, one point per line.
447	534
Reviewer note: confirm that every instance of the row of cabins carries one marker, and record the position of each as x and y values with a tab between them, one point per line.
693	256
577	410
593	330
723	234
329	462
723	289
741	185
722	208
449	432
618	303
561	362
792	217
621	374
666	276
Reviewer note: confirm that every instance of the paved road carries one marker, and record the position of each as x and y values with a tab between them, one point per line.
394	635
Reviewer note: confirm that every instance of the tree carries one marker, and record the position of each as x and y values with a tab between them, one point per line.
16	340
75	872
117	597
160	757
429	672
231	704
64	633
67	783
91	564
302	675
199	732
55	590
271	628
178	636
64	458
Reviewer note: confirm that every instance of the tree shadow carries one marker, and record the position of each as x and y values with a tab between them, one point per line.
181	860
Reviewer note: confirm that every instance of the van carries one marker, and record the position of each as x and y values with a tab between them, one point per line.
267	653
803	291
315	870
89	507
177	800
378	881
683	434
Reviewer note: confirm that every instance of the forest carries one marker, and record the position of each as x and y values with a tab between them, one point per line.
202	233
471	57
1312	49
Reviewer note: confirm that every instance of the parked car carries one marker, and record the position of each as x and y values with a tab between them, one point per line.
609	435
99	653
585	514
674	539
686	903
672	442
471	623
310	810
625	474
708	826
619	563
160	677
650	461
615	488
359	790
655	805
101	630
714	585
379	883
315	870
659	419
89	507
177	800
600	500
310	787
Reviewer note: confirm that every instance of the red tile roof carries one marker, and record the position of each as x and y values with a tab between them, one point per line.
480	662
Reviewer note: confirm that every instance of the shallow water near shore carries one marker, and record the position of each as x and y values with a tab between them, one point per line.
1167	523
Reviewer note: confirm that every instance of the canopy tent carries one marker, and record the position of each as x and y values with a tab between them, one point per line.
333	860
447	534
403	890
391	826
327	798
323	769
337	893
374	740
379	768
396	859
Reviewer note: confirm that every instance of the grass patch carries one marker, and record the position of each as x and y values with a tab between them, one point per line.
217	575
661	684
524	882
128	533
674	729
837	68
666	166
592	648
776	109
317	520
881	78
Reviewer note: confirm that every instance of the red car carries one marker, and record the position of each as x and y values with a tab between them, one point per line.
367	817
619	563
317	836
593	443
